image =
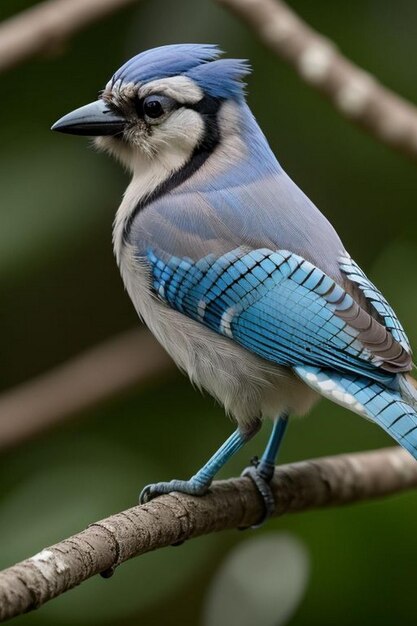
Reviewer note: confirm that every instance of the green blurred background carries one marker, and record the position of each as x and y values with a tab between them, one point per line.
61	293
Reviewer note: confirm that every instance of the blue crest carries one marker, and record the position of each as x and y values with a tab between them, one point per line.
221	78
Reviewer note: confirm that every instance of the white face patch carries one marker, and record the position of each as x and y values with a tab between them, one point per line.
178	133
180	88
230	119
183	129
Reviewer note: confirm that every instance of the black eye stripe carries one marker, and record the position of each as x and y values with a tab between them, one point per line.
206	106
138	102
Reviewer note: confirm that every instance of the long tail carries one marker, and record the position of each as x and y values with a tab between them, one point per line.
394	409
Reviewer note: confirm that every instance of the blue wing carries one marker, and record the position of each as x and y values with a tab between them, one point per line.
375	298
280	307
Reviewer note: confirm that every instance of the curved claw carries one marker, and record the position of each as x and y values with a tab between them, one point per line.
154	490
265	491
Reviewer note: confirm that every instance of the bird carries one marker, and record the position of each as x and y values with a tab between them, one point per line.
237	274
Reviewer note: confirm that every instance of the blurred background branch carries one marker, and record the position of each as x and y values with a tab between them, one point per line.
45	27
355	94
130	359
174	518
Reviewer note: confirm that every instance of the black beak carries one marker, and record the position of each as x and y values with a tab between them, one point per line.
93	120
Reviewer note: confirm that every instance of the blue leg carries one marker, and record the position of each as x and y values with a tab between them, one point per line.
198	484
268	460
263	470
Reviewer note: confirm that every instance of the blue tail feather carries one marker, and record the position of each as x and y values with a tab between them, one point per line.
386	406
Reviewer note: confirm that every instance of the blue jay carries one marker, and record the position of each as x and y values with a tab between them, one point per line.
235	271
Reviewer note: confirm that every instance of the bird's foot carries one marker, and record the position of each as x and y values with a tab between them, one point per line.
261	474
192	487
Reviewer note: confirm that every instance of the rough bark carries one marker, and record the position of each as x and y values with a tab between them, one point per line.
174	518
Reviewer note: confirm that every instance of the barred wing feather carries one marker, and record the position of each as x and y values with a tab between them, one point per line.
282	308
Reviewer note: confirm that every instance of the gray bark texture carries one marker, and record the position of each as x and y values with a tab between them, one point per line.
174	518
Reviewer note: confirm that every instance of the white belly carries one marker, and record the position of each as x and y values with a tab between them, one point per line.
248	387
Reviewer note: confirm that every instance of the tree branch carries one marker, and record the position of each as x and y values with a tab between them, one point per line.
174	518
131	358
46	26
355	94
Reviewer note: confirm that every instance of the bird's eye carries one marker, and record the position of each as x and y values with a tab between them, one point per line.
152	107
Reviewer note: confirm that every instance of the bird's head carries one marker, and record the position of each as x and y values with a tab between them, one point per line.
168	100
